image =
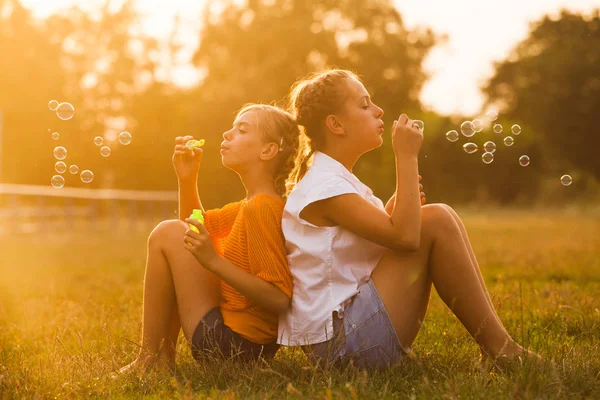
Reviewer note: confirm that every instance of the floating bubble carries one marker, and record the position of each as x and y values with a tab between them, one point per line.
470	147
57	181
509	141
498	128
98	141
487	157
60	167
489	146
125	138
467	128
515	129
60	153
73	169
566	180
419	124
452	135
86	176
53	105
65	111
492	115
478	125
105	151
55	136
524	160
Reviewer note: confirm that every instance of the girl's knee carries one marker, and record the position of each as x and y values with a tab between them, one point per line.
438	216
165	230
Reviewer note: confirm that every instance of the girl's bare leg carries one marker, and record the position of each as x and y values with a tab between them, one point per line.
174	285
404	280
467	244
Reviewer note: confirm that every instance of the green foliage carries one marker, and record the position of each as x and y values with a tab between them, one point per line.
253	51
551	82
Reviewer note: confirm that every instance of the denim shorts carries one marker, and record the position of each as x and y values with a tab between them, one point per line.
363	335
213	339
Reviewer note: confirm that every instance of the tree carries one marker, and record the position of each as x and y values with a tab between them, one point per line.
551	83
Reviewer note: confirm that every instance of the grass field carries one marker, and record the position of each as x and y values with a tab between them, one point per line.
70	308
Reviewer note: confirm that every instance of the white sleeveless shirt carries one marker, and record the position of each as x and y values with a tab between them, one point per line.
328	264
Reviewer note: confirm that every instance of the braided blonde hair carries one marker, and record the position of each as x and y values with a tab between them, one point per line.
279	126
311	100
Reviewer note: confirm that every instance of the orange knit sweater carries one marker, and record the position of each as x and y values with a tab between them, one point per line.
248	233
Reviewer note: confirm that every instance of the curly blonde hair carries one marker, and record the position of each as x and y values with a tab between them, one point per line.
311	100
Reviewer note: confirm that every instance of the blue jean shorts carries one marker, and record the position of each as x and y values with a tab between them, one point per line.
363	335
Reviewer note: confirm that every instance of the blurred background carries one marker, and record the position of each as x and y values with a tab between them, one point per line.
162	69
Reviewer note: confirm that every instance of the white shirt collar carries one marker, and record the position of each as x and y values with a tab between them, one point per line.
325	163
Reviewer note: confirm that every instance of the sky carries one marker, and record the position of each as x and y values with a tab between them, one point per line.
479	32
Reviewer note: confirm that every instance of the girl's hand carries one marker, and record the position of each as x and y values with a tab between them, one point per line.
406	139
185	161
200	244
423	199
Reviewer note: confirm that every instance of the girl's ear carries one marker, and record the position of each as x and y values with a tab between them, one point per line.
334	124
269	151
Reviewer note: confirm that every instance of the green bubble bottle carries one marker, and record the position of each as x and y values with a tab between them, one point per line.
197	215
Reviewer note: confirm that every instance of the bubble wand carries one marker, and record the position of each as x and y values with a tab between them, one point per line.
194	144
196	213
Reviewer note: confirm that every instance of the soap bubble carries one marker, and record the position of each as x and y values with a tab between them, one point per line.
489	146
487	157
60	153
470	147
478	125
57	181
65	111
515	129
452	135
566	180
86	176
98	141
73	169
498	128
492	115
125	138
509	141
60	167
105	151
55	136
524	160
467	128
53	105
419	124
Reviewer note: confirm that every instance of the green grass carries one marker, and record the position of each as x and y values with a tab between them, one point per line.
70	308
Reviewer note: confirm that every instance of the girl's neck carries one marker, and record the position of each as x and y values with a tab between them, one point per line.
258	181
344	157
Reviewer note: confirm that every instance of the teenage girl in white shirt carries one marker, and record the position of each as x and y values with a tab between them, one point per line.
363	272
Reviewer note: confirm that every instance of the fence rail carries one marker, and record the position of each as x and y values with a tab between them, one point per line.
34	208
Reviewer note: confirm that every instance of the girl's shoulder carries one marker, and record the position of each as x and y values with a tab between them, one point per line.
322	181
262	203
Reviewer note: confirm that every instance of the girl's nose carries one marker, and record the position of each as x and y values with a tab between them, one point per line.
227	135
379	112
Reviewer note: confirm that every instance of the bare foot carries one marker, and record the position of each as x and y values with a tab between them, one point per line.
144	364
510	355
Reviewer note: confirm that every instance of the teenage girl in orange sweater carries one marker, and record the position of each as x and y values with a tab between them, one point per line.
225	286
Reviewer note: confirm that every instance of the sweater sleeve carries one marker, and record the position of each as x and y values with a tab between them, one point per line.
266	244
